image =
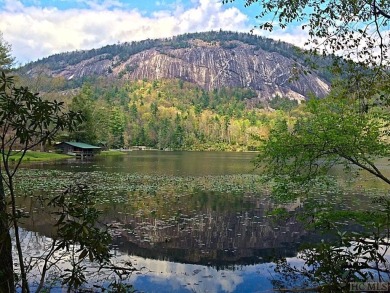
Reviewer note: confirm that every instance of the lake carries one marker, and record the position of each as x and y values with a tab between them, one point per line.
188	221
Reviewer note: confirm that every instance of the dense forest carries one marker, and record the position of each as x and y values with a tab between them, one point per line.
170	114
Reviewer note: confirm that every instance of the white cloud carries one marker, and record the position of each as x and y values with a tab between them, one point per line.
13	6
294	35
36	32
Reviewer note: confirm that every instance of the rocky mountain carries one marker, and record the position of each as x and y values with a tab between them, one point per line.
210	60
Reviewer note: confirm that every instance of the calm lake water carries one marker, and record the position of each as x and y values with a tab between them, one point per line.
188	239
165	163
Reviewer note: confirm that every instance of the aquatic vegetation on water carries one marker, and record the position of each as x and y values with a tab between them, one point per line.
146	195
108	184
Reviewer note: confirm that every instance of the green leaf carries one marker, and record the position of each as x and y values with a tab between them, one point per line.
83	254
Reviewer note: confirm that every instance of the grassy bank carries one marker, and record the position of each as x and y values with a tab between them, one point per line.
111	153
34	156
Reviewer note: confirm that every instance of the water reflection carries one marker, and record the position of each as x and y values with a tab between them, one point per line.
211	250
177	277
165	276
217	238
163	163
200	241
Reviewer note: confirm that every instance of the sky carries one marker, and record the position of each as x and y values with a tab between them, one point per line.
39	28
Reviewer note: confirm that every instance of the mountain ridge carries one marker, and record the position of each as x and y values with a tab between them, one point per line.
210	60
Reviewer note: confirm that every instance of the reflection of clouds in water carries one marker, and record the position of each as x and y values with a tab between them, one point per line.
166	276
176	277
197	278
158	275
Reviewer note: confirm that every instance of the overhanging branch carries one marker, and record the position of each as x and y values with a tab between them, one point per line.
379	11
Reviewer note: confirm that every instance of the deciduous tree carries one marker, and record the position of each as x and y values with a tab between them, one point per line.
26	120
331	131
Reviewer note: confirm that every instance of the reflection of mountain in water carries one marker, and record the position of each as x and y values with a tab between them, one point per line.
158	275
217	238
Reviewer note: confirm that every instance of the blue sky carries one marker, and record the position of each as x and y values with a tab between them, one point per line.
39	28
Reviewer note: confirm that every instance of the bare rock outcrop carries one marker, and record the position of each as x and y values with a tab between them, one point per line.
210	65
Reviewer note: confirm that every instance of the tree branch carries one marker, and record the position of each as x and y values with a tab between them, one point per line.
374	172
378	11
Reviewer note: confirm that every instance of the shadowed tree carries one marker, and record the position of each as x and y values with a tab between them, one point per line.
26	120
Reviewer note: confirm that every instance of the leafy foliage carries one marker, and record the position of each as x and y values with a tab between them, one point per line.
355	254
6	60
332	131
167	114
285	104
77	232
350	28
26	120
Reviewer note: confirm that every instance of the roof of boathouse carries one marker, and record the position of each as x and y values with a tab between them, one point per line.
80	145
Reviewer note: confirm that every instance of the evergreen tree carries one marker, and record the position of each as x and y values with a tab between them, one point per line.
6	59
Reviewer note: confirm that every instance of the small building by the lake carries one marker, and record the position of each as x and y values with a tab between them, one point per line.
78	149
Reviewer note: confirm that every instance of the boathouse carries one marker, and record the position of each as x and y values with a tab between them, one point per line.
78	149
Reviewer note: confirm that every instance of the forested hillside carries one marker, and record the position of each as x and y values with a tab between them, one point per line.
171	114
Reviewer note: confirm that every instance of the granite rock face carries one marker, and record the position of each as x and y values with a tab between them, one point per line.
207	64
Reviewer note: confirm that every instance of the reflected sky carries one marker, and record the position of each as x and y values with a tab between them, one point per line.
166	276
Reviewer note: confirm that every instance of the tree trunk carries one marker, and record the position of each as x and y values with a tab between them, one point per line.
25	288
6	264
